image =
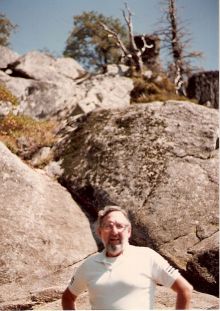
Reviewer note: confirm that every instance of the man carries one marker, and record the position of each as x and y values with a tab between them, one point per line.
123	276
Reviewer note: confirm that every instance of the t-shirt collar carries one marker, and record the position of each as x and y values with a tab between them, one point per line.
101	257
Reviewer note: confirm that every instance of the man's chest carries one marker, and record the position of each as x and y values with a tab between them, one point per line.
125	274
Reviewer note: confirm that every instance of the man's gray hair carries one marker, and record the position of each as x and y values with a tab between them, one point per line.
108	209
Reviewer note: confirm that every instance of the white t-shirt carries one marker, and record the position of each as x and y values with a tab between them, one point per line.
124	282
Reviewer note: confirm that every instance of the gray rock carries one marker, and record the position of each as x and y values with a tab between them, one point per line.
103	91
43	232
117	70
44	85
204	264
44	100
40	66
16	85
38	99
204	86
164	300
7	56
158	161
44	155
47	87
54	169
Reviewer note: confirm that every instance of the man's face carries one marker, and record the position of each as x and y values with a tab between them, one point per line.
115	232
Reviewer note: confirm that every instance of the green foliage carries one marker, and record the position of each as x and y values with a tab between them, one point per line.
7	96
89	44
24	135
155	89
6	28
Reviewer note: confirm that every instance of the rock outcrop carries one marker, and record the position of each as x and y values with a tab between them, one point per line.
7	56
204	86
47	87
43	234
158	161
43	67
164	300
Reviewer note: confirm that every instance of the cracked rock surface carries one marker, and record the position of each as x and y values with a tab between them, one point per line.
164	300
43	234
158	161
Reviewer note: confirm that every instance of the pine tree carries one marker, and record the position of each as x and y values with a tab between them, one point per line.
88	43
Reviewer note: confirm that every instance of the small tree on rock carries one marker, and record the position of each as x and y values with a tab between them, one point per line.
88	43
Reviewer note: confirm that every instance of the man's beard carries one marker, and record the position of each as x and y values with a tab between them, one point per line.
114	249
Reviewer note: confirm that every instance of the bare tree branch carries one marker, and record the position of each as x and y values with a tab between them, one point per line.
130	27
112	33
132	53
177	41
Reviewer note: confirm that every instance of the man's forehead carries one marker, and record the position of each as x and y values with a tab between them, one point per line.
115	215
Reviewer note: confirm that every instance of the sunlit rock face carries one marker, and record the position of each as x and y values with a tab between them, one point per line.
159	162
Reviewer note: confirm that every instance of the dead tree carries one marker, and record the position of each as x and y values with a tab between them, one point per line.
177	50
129	53
177	41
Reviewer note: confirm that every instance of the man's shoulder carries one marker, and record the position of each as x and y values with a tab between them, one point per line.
141	250
93	258
147	253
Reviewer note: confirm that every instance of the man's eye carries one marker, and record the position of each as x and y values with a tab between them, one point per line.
107	226
119	226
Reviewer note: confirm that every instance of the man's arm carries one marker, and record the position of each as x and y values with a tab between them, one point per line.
68	300
184	293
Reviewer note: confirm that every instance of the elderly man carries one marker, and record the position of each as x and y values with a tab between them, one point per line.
123	276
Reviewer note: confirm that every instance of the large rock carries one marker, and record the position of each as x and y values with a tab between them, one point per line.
43	233
37	99
47	87
43	84
158	161
164	300
204	86
104	91
7	56
44	100
40	66
204	264
40	99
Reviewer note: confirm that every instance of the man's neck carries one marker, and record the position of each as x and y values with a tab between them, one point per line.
113	255
120	252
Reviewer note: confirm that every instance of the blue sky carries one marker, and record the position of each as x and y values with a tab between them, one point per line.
45	24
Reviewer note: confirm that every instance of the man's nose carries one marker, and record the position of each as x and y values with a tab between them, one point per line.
114	230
